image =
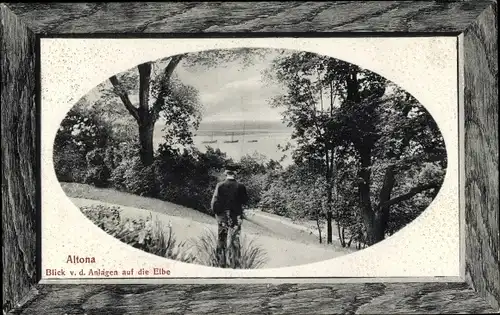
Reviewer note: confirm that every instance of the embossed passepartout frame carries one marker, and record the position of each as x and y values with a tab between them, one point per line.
473	22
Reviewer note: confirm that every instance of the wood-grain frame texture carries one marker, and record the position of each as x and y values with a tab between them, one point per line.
21	26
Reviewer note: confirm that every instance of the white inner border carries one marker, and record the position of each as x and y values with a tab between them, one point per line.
426	67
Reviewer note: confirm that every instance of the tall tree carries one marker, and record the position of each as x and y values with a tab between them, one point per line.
391	134
157	96
296	192
144	114
370	121
310	106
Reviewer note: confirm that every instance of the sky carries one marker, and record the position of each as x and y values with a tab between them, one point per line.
230	92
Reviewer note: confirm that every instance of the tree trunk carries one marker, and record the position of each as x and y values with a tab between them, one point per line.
350	240
381	215
376	225
364	175
333	190
320	91
319	229
377	230
341	239
145	115
146	123
329	231
369	222
364	147
146	143
331	99
329	199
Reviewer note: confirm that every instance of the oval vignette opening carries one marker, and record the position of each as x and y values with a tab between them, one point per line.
287	157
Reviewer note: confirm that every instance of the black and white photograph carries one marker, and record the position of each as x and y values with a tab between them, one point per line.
270	157
249	157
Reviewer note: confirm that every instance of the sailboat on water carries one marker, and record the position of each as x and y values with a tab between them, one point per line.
211	140
254	140
232	139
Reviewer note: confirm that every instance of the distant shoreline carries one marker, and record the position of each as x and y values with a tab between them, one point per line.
249	137
253	126
238	132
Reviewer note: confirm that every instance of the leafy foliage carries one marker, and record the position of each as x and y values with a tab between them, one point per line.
83	129
147	235
251	257
345	117
81	133
132	176
69	163
180	109
189	177
297	193
251	170
367	154
98	172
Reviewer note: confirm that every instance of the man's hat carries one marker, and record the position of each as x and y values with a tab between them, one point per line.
229	172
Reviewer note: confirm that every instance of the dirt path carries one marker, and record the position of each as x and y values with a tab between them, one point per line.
259	223
308	229
295	250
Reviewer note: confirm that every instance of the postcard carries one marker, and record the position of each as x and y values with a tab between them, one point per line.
249	158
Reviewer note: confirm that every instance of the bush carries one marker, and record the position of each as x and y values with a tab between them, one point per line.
117	178
131	176
252	256
80	133
84	129
147	235
187	178
296	193
274	199
69	164
254	184
117	152
98	172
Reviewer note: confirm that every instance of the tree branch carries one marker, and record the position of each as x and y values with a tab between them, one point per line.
314	116
174	61
167	74
124	97
406	162
388	185
144	87
409	194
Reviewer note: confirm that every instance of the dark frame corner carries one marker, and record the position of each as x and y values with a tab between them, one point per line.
475	24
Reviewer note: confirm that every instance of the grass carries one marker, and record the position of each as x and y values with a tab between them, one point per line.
252	256
275	235
148	235
109	195
151	236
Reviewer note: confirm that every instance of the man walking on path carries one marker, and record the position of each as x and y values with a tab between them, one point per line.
227	204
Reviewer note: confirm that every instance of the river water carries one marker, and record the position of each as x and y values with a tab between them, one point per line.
243	142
